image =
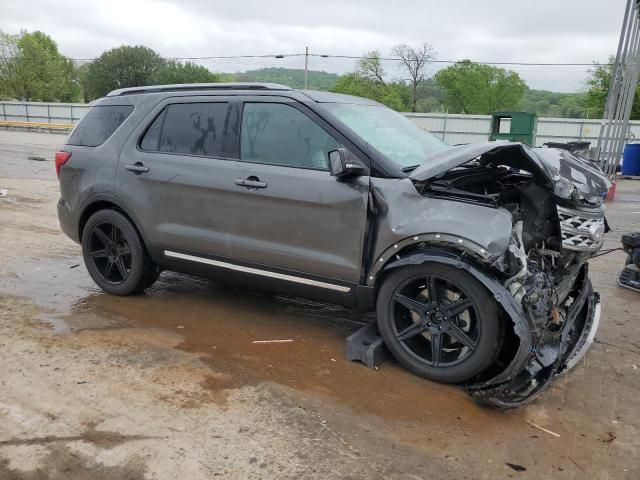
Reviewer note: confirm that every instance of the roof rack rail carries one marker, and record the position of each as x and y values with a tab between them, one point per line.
186	87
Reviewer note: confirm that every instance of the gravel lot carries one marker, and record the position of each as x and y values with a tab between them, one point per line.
169	384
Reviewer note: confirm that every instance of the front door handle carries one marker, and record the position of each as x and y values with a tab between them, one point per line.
137	168
251	183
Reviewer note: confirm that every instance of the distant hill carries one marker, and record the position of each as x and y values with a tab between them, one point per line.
292	77
554	104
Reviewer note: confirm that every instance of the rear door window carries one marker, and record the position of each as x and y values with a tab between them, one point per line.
99	124
187	128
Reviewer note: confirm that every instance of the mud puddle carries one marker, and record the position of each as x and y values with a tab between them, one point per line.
220	324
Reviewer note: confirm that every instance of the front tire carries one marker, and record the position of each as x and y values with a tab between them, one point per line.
115	256
439	322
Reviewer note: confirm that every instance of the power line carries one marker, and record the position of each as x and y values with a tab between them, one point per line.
397	59
213	57
358	57
222	57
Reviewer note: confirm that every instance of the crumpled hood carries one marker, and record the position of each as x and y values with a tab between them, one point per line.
587	179
569	176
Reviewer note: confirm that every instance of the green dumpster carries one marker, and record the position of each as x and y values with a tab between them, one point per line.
514	126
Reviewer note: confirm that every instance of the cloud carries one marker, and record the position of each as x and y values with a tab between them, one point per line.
576	31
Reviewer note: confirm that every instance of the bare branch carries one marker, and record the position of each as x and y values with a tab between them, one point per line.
415	60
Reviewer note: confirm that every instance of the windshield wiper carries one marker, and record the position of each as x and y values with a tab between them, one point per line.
410	168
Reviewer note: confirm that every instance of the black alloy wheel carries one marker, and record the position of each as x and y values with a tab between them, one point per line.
439	322
115	255
435	321
110	253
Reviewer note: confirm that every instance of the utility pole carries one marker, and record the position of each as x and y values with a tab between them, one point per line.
306	67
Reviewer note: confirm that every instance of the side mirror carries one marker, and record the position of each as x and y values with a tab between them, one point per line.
340	165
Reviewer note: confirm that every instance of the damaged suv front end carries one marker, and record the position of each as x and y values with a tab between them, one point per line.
555	201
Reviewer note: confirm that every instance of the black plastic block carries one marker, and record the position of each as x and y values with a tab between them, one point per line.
366	346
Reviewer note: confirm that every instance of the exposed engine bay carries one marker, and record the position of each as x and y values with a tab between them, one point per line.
557	225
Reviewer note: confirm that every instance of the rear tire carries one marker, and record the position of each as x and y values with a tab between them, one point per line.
439	322
115	256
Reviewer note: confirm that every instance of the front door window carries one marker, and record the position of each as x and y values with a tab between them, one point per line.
279	134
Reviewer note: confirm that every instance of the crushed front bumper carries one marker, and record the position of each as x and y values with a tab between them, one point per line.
540	359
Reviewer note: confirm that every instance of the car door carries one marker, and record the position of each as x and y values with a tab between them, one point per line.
291	213
176	177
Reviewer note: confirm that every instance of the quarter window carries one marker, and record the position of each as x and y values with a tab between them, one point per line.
279	134
187	128
99	124
151	139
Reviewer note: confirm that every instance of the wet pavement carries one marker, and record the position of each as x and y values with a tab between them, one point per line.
28	154
170	382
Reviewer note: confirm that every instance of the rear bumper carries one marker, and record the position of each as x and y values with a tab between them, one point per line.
68	223
552	355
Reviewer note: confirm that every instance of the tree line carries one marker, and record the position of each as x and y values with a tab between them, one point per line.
33	69
465	87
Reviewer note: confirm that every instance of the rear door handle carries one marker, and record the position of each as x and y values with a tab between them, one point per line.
250	182
137	168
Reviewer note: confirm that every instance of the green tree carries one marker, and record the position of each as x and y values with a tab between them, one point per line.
554	104
188	72
597	89
123	67
430	96
32	69
393	95
370	67
82	74
368	81
572	106
479	89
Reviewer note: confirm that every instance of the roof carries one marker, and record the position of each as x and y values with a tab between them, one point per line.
330	97
314	95
197	87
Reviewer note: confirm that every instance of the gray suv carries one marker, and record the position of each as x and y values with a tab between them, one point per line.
473	256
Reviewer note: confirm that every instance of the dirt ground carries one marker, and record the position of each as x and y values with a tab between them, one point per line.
168	384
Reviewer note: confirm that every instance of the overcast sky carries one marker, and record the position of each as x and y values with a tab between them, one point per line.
545	31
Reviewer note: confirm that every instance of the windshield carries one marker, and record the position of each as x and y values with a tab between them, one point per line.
389	132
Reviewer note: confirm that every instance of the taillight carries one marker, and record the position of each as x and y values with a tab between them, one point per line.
61	159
